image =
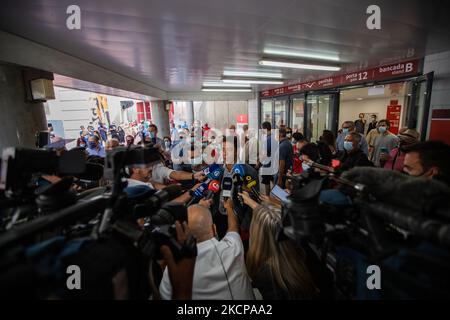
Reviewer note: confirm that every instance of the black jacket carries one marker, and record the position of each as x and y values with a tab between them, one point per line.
354	159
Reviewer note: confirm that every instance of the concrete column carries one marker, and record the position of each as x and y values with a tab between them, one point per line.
189	112
160	117
253	121
19	119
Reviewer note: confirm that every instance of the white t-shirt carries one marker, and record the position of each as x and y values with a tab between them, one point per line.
161	173
210	281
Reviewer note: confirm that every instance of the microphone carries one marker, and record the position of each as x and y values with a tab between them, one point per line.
239	169
250	183
418	195
198	193
155	201
213	188
227	185
237	184
213	172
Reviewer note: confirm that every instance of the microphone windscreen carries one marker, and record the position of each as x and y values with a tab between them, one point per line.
414	193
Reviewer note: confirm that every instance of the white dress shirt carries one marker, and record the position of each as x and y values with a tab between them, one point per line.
219	273
161	173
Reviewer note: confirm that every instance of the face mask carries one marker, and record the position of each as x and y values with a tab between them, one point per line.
152	135
289	135
345	131
348	145
306	167
92	145
167	144
382	129
82	145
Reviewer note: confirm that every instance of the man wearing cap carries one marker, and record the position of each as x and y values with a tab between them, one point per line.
395	158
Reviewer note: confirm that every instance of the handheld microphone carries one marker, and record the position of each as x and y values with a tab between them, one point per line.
198	193
239	169
213	172
227	185
250	183
237	184
213	188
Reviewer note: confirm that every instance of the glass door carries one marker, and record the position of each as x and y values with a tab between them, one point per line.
419	104
321	113
266	110
297	116
280	113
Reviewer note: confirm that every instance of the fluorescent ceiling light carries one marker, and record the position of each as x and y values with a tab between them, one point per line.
301	54
225	90
253	74
252	81
221	84
295	65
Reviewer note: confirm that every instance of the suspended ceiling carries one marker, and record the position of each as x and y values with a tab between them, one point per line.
173	46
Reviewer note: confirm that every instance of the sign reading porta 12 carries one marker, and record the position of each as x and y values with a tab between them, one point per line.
401	69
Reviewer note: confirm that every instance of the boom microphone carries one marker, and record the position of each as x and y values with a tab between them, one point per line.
418	195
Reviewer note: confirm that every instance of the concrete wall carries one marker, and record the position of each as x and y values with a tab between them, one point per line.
19	119
218	114
74	108
350	110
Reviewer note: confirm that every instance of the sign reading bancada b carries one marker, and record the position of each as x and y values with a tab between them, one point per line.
407	68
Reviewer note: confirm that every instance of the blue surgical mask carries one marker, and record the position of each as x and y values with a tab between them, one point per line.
92	144
345	131
382	129
306	167
348	145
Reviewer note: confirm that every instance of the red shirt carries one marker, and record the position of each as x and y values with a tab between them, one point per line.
297	163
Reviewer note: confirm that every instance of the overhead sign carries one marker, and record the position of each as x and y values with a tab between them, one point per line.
400	69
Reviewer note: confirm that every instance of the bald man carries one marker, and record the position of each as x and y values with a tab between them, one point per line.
220	272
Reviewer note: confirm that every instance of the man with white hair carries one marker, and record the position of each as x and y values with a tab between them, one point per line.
220	272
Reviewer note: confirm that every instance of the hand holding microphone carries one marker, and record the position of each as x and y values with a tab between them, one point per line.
248	200
198	193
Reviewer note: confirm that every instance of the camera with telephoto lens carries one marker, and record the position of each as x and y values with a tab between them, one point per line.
357	220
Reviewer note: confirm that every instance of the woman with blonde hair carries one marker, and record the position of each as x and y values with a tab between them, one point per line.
275	264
